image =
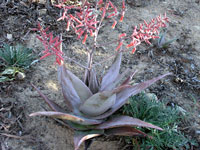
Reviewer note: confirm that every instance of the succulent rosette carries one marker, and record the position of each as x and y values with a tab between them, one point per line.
91	104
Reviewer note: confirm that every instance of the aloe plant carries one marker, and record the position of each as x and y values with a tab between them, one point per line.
91	103
16	56
89	112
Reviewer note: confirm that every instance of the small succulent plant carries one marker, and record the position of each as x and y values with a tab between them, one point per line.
16	56
161	42
15	59
91	104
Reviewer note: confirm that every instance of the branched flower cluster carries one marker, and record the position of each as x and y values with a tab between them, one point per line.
84	20
51	44
144	32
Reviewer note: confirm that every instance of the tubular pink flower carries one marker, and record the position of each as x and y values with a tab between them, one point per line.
146	31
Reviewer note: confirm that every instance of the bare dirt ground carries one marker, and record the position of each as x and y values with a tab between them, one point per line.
18	99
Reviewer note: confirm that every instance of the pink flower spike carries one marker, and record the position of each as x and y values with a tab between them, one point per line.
119	46
114	24
57	44
74	18
146	24
123	4
155	37
133	51
46	55
122	17
130	45
107	5
60	57
91	33
58	61
85	37
39	38
147	41
122	35
80	34
100	2
111	15
104	13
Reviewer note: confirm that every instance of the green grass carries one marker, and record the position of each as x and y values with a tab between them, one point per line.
16	56
14	60
157	113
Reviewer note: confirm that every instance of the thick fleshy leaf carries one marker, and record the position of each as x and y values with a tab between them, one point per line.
125	121
93	82
123	96
72	99
112	73
66	116
128	79
125	131
80	137
98	103
77	126
118	79
82	90
52	105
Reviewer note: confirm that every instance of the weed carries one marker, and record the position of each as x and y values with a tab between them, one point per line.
161	42
14	60
16	56
142	107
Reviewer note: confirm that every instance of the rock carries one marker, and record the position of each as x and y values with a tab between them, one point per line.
42	12
152	96
20	75
9	36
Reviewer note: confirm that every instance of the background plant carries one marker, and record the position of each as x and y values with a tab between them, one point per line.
162	43
92	102
169	118
15	59
16	56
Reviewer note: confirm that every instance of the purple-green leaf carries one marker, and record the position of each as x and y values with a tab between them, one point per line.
51	104
125	131
112	73
93	82
80	137
129	78
123	96
125	121
98	103
71	97
66	116
118	79
74	90
82	90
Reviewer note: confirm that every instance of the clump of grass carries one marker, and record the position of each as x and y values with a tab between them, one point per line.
148	109
161	42
16	56
14	60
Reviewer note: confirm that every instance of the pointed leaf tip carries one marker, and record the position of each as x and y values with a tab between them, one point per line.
67	116
51	104
112	73
125	131
98	103
124	94
80	137
125	121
